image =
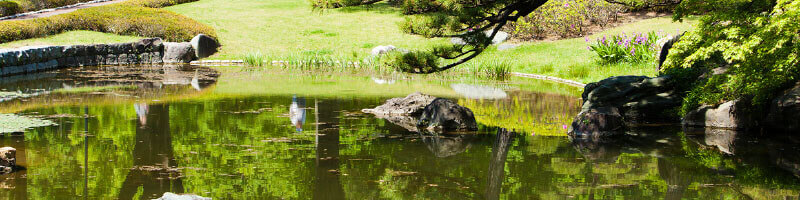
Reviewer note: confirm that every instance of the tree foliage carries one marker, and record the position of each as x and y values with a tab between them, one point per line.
741	49
474	21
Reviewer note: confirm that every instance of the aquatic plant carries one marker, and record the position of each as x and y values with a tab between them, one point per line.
11	123
634	48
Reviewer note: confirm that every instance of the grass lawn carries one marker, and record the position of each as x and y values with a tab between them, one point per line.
71	38
290	28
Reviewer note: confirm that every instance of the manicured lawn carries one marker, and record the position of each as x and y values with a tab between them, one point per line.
290	28
71	38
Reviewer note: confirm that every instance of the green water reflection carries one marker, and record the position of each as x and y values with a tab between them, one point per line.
283	146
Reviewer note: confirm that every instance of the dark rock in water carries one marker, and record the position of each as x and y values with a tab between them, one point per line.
625	101
173	196
411	105
784	112
8	159
178	52
597	123
729	115
204	46
444	114
420	110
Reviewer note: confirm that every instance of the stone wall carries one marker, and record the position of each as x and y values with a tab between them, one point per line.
145	51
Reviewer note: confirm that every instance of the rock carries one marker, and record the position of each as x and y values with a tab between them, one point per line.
444	114
728	115
499	38
597	123
665	46
443	146
412	105
173	196
204	45
380	50
8	159
784	111
178	52
625	101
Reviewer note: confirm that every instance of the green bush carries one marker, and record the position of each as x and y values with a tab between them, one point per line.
564	18
123	19
9	8
157	3
755	42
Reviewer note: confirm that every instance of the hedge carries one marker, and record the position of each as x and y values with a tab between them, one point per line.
9	8
121	18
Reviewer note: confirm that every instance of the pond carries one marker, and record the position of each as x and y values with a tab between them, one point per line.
226	133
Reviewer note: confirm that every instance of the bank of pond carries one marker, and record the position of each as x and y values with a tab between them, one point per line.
225	133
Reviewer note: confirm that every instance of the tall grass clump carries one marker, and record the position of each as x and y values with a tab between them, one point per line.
494	69
255	59
122	19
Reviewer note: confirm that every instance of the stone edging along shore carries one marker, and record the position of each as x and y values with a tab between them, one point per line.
52	9
145	51
533	76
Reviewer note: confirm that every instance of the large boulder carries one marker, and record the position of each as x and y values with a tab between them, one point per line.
625	101
784	111
446	115
411	105
8	159
204	45
666	44
178	52
729	115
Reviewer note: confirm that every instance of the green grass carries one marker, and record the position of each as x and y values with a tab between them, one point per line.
72	38
283	27
290	29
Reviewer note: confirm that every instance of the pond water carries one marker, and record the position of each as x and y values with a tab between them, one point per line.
282	135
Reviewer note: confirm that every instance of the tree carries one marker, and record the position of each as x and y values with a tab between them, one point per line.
474	21
740	50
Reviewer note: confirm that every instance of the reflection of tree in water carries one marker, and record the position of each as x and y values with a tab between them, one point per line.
327	184
154	165
497	163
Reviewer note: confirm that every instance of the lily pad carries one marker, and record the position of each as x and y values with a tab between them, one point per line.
11	123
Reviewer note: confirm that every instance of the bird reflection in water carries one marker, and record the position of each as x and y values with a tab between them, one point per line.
297	112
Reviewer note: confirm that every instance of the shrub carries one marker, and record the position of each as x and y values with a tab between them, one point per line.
120	19
755	42
9	8
636	48
157	3
34	5
564	18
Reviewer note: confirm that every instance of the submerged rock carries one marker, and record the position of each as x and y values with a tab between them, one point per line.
625	101
173	196
784	111
444	114
8	159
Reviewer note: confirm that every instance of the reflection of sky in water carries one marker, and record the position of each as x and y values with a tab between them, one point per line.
479	91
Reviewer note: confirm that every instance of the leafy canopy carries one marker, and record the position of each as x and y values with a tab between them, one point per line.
741	49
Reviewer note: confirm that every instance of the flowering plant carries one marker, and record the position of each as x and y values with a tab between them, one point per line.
634	48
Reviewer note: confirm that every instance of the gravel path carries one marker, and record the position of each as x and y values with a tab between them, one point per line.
58	11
